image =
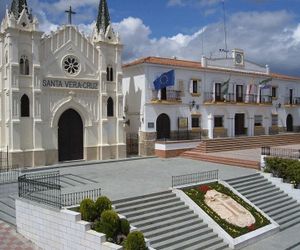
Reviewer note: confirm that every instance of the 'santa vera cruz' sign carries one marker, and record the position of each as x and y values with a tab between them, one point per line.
71	84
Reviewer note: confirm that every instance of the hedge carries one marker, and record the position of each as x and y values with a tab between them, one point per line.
287	169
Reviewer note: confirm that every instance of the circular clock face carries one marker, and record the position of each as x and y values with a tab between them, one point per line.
238	58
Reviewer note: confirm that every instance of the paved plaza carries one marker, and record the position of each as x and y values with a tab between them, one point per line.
11	240
121	179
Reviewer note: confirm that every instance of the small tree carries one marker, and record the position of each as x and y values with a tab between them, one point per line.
102	204
135	241
109	224
124	227
87	210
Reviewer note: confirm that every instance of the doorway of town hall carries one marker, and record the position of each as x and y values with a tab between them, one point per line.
239	122
289	123
70	136
163	127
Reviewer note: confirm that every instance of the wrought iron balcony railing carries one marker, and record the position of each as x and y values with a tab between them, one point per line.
210	97
168	95
292	100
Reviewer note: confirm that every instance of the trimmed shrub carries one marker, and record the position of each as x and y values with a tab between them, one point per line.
124	227
287	169
102	204
109	224
135	241
87	210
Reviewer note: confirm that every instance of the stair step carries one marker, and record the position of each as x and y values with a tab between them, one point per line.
218	246
185	218
158	209
273	201
273	211
152	219
251	182
264	196
256	185
286	213
145	200
292	217
116	202
179	232
200	243
290	224
145	205
260	190
185	240
8	218
158	214
174	226
242	179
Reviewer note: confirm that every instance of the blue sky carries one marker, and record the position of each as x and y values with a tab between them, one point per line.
268	30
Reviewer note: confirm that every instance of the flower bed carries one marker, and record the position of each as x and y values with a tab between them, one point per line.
197	194
287	169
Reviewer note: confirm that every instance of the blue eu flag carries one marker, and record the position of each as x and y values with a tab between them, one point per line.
166	79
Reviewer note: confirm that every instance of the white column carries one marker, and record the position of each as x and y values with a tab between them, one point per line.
230	129
250	126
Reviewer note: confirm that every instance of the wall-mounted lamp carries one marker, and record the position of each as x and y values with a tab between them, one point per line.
192	104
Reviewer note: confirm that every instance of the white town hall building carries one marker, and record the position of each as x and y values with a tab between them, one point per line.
209	98
60	94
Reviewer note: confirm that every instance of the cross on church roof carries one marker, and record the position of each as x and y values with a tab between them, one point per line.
70	13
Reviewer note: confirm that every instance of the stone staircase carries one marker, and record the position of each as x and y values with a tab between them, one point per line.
239	143
269	198
9	191
195	155
168	223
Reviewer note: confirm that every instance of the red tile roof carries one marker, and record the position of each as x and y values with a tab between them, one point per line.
197	65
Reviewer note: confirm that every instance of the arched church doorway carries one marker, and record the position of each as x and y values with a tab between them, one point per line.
163	127
289	123
70	136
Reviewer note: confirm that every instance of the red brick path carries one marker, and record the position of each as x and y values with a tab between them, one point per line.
11	240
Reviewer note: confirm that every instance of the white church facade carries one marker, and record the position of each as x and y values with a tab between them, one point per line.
224	97
60	94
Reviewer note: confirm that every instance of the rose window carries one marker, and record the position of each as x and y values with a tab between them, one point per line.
71	65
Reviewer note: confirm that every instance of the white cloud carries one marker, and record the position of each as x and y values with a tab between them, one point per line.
267	38
175	3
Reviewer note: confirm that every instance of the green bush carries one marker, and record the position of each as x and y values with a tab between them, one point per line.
102	204
135	241
124	227
287	169
87	210
109	224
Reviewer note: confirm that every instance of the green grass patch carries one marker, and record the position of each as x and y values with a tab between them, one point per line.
197	194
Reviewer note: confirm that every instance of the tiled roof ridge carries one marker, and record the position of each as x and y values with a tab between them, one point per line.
197	65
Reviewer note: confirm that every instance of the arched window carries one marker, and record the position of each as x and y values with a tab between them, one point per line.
25	106
109	74
110	107
24	65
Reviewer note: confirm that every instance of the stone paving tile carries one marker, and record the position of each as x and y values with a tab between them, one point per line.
11	240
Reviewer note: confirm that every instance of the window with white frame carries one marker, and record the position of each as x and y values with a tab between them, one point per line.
258	120
195	86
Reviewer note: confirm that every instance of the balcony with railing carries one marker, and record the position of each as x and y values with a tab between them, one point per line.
210	97
289	100
167	96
